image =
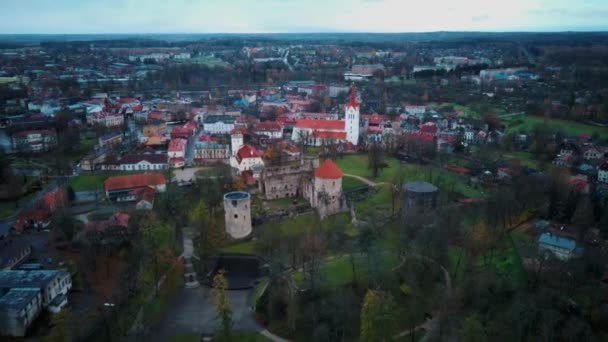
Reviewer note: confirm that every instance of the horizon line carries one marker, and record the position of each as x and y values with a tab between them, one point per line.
311	32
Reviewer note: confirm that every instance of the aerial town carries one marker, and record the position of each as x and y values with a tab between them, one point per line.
296	188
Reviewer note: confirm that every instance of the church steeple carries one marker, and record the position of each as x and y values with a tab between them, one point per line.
351	118
353	98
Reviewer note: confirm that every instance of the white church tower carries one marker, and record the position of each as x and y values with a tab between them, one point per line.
236	142
351	118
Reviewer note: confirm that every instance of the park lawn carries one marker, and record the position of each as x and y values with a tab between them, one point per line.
527	123
349	183
209	61
337	271
299	225
86	182
444	180
356	164
243	248
525	158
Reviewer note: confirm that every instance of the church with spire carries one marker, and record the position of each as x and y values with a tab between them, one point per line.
322	132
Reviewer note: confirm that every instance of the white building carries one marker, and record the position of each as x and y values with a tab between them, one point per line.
236	142
271	129
107	119
216	124
177	148
247	158
140	162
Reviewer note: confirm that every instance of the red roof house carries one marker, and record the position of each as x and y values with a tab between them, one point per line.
328	170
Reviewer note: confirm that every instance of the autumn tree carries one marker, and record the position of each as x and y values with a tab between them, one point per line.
222	305
377	317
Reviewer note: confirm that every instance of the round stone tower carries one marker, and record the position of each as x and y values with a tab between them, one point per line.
418	198
237	210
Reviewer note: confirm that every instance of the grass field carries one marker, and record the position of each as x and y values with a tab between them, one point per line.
86	182
527	123
525	158
338	271
351	183
446	181
299	225
209	61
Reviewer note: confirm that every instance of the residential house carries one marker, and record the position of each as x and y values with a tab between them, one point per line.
34	141
140	162
271	129
560	247
111	138
209	149
592	153
107	119
247	158
119	188
218	124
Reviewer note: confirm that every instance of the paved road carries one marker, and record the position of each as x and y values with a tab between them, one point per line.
193	312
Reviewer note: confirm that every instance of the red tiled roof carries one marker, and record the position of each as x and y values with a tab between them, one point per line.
53	199
137	108
329	135
336	125
242	131
328	170
353	98
134	181
248	151
176	145
420	136
428	127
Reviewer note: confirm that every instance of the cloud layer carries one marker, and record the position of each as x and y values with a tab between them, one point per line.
216	16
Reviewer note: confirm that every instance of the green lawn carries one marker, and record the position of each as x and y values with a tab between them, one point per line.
351	183
526	123
299	225
208	61
86	182
446	181
525	158
243	247
338	271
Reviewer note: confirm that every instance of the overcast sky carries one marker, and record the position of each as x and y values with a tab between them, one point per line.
259	16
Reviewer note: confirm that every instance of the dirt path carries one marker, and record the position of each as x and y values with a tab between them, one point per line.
364	180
